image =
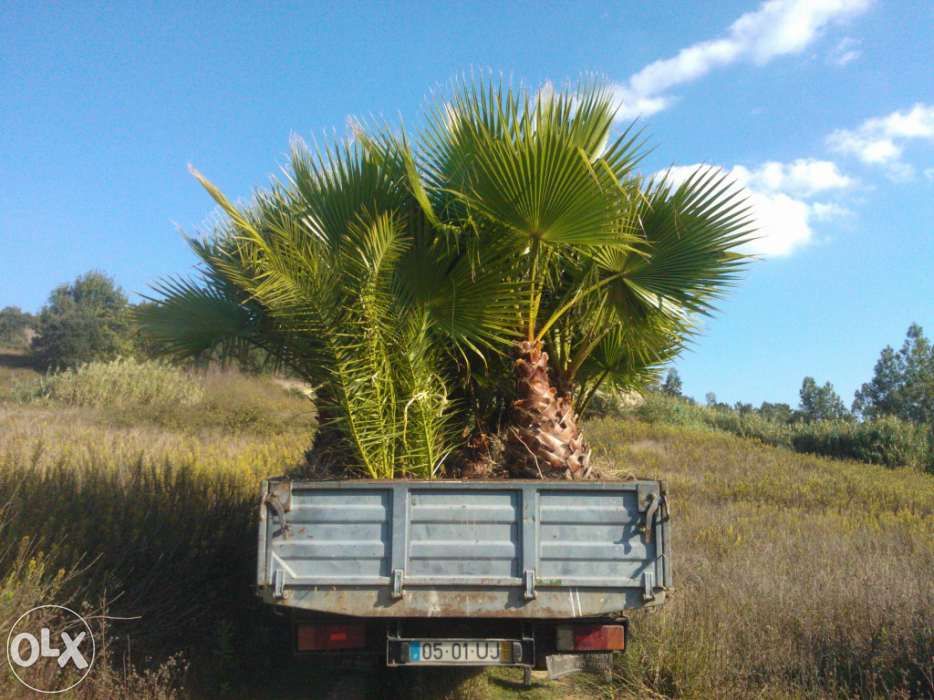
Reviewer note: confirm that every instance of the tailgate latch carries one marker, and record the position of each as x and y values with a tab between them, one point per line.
648	582
529	581
278	584
397	583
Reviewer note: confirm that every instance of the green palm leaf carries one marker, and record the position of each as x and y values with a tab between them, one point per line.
687	255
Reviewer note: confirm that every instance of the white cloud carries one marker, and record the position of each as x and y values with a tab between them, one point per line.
929	174
846	51
777	28
805	176
778	195
881	140
828	211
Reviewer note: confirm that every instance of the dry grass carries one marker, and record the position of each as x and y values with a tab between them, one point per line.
796	576
158	521
30	579
126	392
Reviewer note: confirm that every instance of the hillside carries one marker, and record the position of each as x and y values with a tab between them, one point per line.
796	575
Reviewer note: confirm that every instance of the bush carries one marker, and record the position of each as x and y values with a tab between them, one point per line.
120	383
84	321
612	403
128	392
659	408
887	440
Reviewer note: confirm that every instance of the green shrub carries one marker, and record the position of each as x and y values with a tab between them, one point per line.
750	426
119	383
659	408
128	392
888	441
84	321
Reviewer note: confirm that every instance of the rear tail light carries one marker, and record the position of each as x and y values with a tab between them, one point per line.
591	638
329	637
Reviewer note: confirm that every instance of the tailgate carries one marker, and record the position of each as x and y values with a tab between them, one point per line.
525	549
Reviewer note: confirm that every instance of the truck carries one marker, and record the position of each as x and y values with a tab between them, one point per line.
535	574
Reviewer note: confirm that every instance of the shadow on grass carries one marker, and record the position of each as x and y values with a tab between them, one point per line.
18	359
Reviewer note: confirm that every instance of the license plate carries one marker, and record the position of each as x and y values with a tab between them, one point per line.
466	651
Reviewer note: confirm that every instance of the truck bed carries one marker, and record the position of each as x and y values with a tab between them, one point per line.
463	549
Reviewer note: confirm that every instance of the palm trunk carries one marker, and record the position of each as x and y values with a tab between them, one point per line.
544	439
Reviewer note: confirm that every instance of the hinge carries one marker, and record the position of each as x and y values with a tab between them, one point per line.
529	580
646	492
282	490
272	500
278	584
397	588
648	582
649	521
279	498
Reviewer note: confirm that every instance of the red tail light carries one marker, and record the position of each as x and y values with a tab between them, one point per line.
330	637
591	638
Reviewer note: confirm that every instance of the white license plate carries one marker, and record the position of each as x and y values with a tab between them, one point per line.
467	651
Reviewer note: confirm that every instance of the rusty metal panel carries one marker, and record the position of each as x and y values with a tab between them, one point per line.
517	549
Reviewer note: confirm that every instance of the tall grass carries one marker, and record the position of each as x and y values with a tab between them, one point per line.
118	383
154	502
31	579
127	392
795	576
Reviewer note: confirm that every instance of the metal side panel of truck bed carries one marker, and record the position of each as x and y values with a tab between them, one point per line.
494	549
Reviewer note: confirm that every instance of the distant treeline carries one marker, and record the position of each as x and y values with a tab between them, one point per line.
891	421
92	320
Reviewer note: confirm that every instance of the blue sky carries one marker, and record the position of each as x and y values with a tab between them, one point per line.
823	109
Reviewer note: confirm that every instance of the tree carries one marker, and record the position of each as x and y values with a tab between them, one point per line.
85	320
820	402
903	382
672	385
487	279
15	327
777	412
710	399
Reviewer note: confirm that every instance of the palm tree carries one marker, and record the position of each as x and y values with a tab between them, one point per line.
337	275
400	279
610	267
